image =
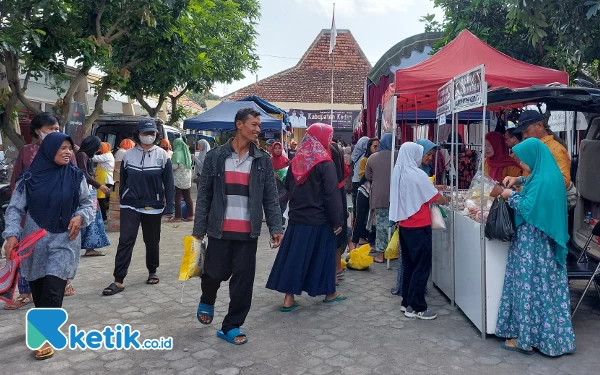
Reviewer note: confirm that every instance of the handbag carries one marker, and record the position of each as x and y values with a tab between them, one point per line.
8	273
437	219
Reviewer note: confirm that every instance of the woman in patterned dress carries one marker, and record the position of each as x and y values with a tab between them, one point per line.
535	308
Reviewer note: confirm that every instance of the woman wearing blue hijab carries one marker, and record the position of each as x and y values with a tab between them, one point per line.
535	307
52	195
429	149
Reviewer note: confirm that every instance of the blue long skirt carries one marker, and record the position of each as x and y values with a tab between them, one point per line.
305	261
94	236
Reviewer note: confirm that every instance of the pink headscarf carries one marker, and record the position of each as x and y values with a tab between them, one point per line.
313	150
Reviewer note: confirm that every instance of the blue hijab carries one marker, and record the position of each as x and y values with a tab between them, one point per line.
544	197
386	142
54	188
427	146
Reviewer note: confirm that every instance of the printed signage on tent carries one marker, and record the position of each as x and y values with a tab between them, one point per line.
561	121
469	90
74	125
301	118
444	101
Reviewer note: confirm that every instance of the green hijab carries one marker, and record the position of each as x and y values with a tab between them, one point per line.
544	198
181	153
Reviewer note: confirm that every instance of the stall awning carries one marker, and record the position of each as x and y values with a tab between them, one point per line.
268	107
417	85
221	118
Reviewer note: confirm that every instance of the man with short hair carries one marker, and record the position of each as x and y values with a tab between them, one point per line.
236	184
510	137
531	125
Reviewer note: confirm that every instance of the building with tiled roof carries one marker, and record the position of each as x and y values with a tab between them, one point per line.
306	87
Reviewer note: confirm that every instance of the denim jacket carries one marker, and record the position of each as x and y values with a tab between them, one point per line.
212	200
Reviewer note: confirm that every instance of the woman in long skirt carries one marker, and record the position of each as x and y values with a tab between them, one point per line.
306	259
535	308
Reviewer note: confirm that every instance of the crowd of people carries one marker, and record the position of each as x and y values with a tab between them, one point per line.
305	187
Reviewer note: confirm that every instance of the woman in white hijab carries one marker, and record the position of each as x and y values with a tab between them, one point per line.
412	193
201	149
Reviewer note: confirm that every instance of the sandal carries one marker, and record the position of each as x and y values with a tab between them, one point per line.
205	310
152	279
69	290
288	308
93	253
515	348
232	335
112	289
174	220
339	297
191	218
44	352
18	303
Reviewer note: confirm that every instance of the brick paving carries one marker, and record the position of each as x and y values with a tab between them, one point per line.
366	334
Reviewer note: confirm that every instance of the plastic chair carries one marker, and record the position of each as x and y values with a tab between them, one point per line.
583	269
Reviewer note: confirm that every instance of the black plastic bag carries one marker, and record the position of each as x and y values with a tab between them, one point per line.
500	224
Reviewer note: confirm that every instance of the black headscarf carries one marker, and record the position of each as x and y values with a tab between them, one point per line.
90	146
53	188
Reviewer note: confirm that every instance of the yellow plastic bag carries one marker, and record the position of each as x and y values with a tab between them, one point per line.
359	259
391	252
343	263
191	256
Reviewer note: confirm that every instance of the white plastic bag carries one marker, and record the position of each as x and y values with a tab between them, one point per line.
437	220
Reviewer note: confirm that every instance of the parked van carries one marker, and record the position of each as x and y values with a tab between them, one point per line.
114	128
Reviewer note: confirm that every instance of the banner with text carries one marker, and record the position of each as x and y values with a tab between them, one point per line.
343	120
444	101
469	90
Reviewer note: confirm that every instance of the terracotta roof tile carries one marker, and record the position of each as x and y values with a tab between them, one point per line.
310	80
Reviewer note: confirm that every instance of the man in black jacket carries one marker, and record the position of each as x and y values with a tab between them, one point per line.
236	185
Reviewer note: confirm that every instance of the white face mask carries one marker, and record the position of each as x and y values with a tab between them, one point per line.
147	139
42	135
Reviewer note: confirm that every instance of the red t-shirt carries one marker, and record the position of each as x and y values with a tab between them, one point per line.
421	218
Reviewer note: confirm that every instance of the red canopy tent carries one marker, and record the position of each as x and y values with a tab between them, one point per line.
417	85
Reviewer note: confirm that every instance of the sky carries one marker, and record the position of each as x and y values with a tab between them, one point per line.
288	27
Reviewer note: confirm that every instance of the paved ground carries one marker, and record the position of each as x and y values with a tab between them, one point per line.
367	334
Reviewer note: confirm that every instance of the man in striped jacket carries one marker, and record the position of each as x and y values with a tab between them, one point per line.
237	183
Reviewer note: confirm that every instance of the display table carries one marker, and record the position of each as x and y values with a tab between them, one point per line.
478	283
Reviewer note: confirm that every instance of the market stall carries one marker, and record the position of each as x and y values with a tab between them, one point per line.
467	267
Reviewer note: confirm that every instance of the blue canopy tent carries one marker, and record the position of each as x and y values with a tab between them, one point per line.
268	107
220	118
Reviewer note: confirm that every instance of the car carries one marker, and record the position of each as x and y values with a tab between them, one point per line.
114	128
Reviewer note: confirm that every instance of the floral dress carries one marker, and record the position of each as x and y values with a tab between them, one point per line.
535	306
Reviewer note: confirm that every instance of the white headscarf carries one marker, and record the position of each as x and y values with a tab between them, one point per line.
200	155
411	187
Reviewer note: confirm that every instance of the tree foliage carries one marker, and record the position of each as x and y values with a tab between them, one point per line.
557	34
210	41
159	48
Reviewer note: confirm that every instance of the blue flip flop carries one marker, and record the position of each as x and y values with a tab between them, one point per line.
518	350
337	298
231	335
206	310
289	308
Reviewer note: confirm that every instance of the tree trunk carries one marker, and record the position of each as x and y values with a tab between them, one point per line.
173	110
98	107
7	124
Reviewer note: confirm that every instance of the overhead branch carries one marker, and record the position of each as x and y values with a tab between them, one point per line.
98	106
99	20
182	93
80	77
14	81
120	33
115	25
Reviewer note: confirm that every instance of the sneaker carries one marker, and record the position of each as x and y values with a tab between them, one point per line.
403	309
409	312
426	315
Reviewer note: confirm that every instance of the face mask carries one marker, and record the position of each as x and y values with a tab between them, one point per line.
41	135
147	139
